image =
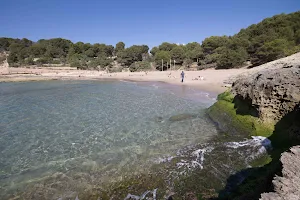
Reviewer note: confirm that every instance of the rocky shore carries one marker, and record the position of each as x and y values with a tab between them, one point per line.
265	101
272	92
287	187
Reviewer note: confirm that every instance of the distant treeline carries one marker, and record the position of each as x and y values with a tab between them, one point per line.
273	38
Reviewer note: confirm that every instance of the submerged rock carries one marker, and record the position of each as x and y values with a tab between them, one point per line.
287	187
181	117
159	119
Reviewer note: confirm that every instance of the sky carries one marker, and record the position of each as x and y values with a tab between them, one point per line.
134	21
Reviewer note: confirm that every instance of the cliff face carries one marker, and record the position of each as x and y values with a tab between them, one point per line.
273	91
287	187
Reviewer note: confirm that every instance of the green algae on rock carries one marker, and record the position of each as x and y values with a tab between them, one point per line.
235	116
266	103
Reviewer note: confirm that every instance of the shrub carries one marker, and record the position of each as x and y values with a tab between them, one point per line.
140	66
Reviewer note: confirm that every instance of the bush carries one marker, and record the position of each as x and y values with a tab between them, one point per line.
140	66
29	61
100	62
14	65
56	62
75	64
12	58
44	60
115	69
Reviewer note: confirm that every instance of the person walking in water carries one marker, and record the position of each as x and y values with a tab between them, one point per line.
182	76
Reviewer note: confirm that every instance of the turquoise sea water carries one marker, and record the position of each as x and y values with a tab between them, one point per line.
97	131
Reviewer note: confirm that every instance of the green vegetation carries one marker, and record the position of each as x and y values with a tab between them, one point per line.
120	46
61	51
161	58
238	117
140	66
133	54
273	38
235	115
264	160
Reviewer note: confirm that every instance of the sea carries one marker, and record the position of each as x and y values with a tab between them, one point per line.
59	139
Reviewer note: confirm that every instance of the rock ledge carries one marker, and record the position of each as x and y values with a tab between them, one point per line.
288	186
274	91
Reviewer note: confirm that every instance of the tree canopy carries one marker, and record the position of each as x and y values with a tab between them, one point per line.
165	46
268	40
133	54
178	54
55	50
120	46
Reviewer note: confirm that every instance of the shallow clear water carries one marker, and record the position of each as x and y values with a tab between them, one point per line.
106	129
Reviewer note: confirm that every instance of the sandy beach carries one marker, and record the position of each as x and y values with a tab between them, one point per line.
208	80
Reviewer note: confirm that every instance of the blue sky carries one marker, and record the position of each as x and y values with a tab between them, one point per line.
134	21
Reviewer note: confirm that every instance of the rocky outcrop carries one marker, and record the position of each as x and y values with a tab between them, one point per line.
287	187
273	91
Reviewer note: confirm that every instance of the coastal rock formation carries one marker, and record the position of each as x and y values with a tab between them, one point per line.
287	186
273	91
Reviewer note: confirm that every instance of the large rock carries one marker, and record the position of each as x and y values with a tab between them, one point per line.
287	187
273	91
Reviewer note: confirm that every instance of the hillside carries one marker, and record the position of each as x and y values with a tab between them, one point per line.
273	38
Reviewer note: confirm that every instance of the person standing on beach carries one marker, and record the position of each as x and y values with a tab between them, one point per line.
182	76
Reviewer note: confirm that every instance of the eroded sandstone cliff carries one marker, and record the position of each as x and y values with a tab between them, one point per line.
273	91
265	101
287	187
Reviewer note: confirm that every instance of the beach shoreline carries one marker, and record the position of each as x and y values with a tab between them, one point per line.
206	80
210	80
